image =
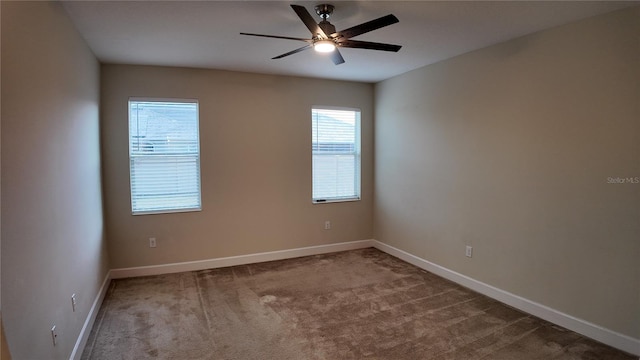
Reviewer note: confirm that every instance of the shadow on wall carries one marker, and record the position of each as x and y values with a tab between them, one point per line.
4	354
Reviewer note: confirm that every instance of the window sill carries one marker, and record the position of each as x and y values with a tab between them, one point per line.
327	201
167	211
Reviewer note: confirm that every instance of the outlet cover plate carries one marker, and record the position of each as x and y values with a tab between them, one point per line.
54	335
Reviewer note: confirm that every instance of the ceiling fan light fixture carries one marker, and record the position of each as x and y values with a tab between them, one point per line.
324	46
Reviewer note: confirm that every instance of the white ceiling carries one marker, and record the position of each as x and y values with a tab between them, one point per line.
205	34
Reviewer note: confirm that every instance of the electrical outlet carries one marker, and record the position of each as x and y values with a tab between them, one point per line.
327	225
469	251
54	335
152	242
73	302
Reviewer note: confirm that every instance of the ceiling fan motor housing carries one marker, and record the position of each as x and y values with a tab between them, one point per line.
327	27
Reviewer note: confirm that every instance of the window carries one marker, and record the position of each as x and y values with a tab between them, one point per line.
164	156
336	154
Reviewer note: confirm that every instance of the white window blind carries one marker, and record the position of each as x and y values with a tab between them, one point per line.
164	156
336	154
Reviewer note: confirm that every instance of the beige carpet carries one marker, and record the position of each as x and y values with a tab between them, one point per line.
361	304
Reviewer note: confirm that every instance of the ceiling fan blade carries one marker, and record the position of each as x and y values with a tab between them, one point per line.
369	45
278	37
366	27
336	57
308	20
309	46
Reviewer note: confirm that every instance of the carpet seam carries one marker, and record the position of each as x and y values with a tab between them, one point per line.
202	307
497	330
562	349
515	339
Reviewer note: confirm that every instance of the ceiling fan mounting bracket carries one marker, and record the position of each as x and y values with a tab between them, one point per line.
324	10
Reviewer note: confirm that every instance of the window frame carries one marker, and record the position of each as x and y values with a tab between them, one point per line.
357	153
198	156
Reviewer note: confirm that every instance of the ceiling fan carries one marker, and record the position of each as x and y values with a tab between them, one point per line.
325	38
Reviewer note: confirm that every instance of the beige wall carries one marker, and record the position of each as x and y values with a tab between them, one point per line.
255	134
52	227
509	149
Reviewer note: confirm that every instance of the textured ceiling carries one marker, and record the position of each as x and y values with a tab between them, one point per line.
205	34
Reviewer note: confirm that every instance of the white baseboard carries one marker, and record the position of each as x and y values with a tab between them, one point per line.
91	318
596	332
238	260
